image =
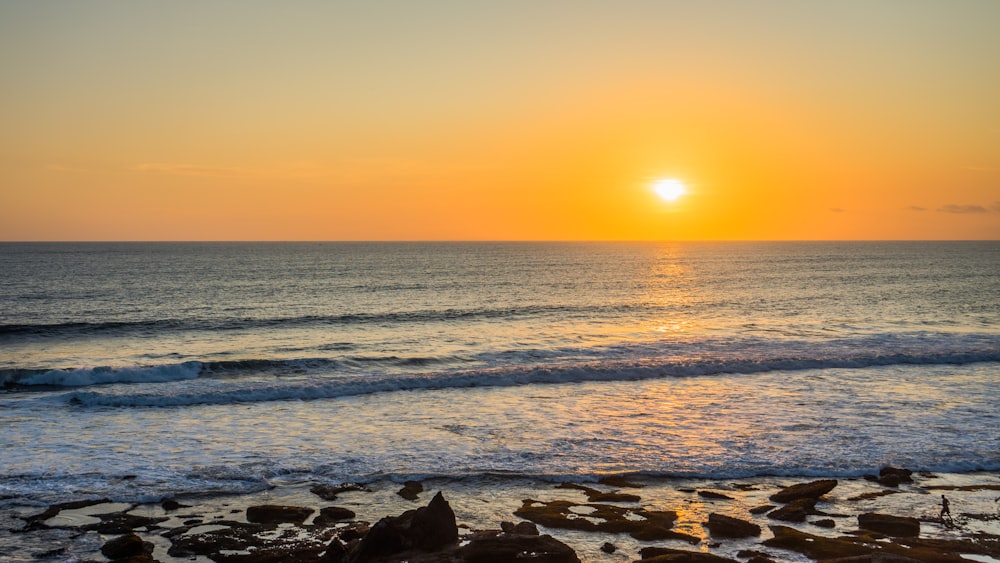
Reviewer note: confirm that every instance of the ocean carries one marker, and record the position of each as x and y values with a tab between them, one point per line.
134	371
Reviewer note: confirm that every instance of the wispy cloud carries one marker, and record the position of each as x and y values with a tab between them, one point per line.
952	208
838	210
916	208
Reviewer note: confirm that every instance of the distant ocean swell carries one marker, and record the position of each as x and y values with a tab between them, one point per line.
70	329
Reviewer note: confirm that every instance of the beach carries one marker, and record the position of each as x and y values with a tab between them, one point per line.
196	528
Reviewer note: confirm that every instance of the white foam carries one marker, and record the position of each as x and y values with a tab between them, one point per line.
105	374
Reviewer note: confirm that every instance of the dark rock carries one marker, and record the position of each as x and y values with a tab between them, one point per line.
653	525
890	480
754	556
813	490
714	495
873	558
666	554
896	526
497	548
170	504
824	523
330	492
35	521
411	490
126	546
904	475
433	526
277	514
609	547
336	552
812	546
619	481
507	527
762	509
254	543
795	511
594	495
50	554
331	515
525	529
722	526
427	528
121	523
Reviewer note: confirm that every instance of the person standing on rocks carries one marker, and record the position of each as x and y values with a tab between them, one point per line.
945	509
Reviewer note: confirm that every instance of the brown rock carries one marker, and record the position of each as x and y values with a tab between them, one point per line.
594	495
330	492
714	495
896	526
331	515
411	490
653	525
665	554
762	509
814	490
619	481
815	547
722	526
277	514
795	511
497	548
128	545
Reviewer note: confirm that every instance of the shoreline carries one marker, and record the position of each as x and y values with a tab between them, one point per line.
72	533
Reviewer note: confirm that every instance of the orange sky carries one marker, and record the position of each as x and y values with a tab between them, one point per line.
501	120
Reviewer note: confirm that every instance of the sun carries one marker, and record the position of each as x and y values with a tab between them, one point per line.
669	189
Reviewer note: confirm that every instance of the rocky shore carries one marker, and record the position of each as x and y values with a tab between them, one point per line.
890	517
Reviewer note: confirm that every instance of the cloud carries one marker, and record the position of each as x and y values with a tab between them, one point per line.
916	208
838	210
952	208
996	206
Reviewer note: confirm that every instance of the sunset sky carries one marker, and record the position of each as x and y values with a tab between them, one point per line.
505	120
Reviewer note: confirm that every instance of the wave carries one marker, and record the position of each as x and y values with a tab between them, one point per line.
221	391
83	328
100	375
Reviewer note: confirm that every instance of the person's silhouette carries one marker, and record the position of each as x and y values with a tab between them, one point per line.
945	508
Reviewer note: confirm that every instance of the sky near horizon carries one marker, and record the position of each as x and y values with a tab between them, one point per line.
499	120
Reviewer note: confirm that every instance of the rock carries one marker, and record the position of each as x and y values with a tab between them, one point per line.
824	523
433	526
904	475
812	546
652	525
873	558
128	545
714	495
795	511
762	509
896	526
428	528
890	480
330	515
609	547
813	490
619	481
277	514
594	495
411	490
170	504
525	529
330	492
665	554
754	556
497	548
722	526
